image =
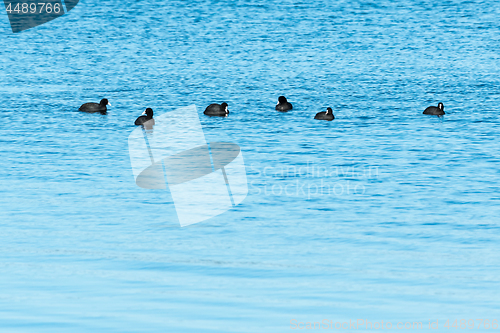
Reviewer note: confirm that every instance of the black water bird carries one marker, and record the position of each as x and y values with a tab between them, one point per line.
216	110
146	119
325	115
283	104
435	111
95	107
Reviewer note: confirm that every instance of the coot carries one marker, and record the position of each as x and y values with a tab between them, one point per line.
325	115
435	111
283	104
95	107
217	110
146	119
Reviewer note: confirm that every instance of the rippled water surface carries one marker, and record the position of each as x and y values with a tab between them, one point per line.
382	214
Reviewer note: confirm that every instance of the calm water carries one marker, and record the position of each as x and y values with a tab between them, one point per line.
382	214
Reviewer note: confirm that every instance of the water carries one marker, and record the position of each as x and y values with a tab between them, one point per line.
404	228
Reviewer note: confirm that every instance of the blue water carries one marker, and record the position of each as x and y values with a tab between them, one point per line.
382	214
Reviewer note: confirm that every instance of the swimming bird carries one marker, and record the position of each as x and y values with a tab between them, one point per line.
435	111
283	104
95	107
325	115
146	119
217	110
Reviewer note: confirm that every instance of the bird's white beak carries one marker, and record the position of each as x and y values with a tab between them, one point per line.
144	113
109	103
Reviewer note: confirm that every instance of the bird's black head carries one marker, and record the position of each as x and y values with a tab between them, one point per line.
282	100
224	106
329	111
440	106
104	102
149	112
